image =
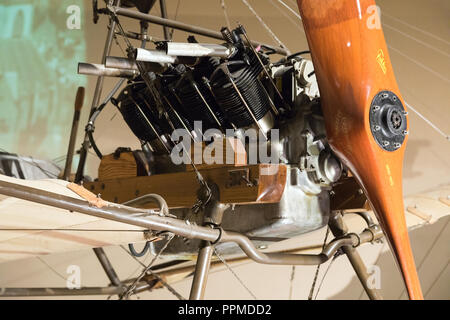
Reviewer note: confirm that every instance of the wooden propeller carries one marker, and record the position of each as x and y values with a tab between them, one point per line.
355	78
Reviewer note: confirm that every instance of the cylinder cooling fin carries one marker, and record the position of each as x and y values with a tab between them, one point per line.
222	92
199	103
169	98
246	100
139	112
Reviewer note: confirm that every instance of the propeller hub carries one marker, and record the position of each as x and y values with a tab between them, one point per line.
388	120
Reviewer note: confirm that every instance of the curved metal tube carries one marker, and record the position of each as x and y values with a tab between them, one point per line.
149	220
102	71
151	197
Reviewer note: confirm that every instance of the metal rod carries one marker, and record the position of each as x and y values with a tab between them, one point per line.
338	228
150	124
361	271
107	266
152	221
212	216
92	69
95	100
194	85
181	26
162	5
84	291
201	272
48	292
73	133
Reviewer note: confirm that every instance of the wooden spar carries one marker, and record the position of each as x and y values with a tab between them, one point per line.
352	65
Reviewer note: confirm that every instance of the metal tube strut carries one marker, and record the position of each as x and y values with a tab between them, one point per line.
338	228
149	220
181	26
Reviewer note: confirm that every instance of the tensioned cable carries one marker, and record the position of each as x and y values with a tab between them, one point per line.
431	124
437	278
234	273
437	74
286	15
265	26
337	254
225	13
132	286
313	286
51	268
291	283
290	9
436	128
175	18
164	283
417	40
416	28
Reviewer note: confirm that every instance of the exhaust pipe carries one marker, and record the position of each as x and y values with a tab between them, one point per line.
92	69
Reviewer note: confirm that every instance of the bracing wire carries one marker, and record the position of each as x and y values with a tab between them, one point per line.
287	16
437	74
313	286
225	13
290	9
431	35
132	286
431	124
272	34
163	282
291	282
234	274
417	40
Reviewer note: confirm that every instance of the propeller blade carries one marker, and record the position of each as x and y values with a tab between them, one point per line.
364	111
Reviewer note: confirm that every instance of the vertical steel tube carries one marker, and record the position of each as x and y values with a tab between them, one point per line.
212	216
201	271
162	4
361	271
73	133
107	266
96	98
338	228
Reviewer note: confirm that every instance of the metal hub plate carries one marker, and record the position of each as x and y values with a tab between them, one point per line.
388	120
